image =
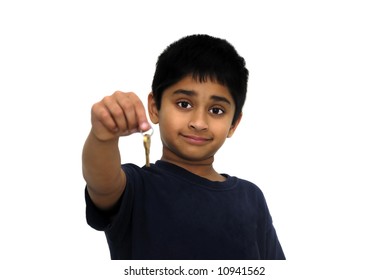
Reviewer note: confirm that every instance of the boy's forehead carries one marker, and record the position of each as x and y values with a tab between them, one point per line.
193	84
190	80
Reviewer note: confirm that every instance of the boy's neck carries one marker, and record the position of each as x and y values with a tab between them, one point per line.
203	169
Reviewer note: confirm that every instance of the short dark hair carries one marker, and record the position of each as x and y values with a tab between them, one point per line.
204	57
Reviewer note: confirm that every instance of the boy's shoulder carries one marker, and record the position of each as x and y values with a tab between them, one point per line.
250	186
248	183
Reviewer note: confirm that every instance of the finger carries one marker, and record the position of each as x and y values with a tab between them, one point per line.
143	124
131	120
101	114
116	113
135	113
126	103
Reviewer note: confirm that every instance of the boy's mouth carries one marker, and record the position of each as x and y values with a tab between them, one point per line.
195	139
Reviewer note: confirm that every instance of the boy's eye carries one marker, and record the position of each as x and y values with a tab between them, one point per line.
216	111
184	104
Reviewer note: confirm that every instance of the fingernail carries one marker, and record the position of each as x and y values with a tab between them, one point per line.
144	126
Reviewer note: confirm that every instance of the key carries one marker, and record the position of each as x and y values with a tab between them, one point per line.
146	144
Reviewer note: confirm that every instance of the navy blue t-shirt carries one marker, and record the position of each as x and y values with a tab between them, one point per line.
167	212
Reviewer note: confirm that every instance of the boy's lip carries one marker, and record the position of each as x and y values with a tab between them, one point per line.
195	139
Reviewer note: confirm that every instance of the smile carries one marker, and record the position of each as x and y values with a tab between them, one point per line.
196	140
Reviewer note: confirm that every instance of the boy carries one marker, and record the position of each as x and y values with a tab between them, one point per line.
179	207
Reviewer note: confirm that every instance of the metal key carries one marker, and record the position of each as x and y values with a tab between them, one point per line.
146	144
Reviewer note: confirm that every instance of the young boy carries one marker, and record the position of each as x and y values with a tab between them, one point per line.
179	207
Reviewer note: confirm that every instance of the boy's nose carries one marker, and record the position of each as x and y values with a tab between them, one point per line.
199	121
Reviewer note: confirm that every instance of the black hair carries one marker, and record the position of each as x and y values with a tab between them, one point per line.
204	57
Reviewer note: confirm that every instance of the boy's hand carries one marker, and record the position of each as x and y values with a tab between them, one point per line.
119	114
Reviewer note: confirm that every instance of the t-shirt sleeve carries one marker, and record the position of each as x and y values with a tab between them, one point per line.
273	249
104	219
268	244
97	218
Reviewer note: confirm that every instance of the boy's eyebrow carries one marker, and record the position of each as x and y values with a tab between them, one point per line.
193	93
185	92
221	99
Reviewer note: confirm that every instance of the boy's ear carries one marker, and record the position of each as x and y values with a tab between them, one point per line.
234	126
153	111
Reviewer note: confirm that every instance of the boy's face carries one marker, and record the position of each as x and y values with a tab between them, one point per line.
194	119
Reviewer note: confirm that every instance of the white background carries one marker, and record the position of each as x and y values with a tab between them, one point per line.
314	135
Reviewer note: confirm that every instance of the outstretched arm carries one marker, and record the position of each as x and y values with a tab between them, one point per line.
120	114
